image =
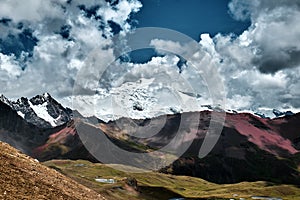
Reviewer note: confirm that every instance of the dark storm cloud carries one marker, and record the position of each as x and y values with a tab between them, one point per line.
275	31
243	10
277	61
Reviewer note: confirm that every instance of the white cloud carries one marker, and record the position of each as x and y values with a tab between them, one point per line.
34	10
260	66
208	45
120	13
9	66
155	86
268	81
56	61
239	102
163	45
263	62
273	34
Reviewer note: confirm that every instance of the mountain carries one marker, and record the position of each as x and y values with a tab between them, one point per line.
250	148
41	110
63	143
16	131
25	178
28	134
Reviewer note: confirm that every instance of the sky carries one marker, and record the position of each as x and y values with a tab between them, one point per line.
192	17
254	45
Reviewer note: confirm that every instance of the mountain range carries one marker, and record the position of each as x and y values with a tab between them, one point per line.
250	148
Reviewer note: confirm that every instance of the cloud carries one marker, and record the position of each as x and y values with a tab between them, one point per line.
120	13
260	67
200	64
238	102
9	66
34	10
251	9
156	87
263	62
273	34
62	36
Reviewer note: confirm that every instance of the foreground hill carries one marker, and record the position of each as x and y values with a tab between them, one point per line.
25	178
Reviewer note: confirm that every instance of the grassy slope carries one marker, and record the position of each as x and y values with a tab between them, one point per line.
21	177
161	186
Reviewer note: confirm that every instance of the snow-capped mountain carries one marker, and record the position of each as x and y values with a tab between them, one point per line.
41	110
141	99
132	101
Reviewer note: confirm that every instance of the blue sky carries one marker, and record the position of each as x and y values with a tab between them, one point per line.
191	17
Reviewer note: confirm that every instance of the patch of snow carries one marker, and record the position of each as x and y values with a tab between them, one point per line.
42	112
46	95
144	98
137	100
21	114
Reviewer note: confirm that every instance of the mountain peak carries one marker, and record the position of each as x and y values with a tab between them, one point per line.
46	95
5	100
40	99
41	110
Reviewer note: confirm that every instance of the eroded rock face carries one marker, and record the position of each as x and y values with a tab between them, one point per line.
18	132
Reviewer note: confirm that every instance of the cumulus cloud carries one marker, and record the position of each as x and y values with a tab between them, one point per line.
60	36
263	62
146	90
9	66
34	10
260	67
120	13
274	33
201	60
238	102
